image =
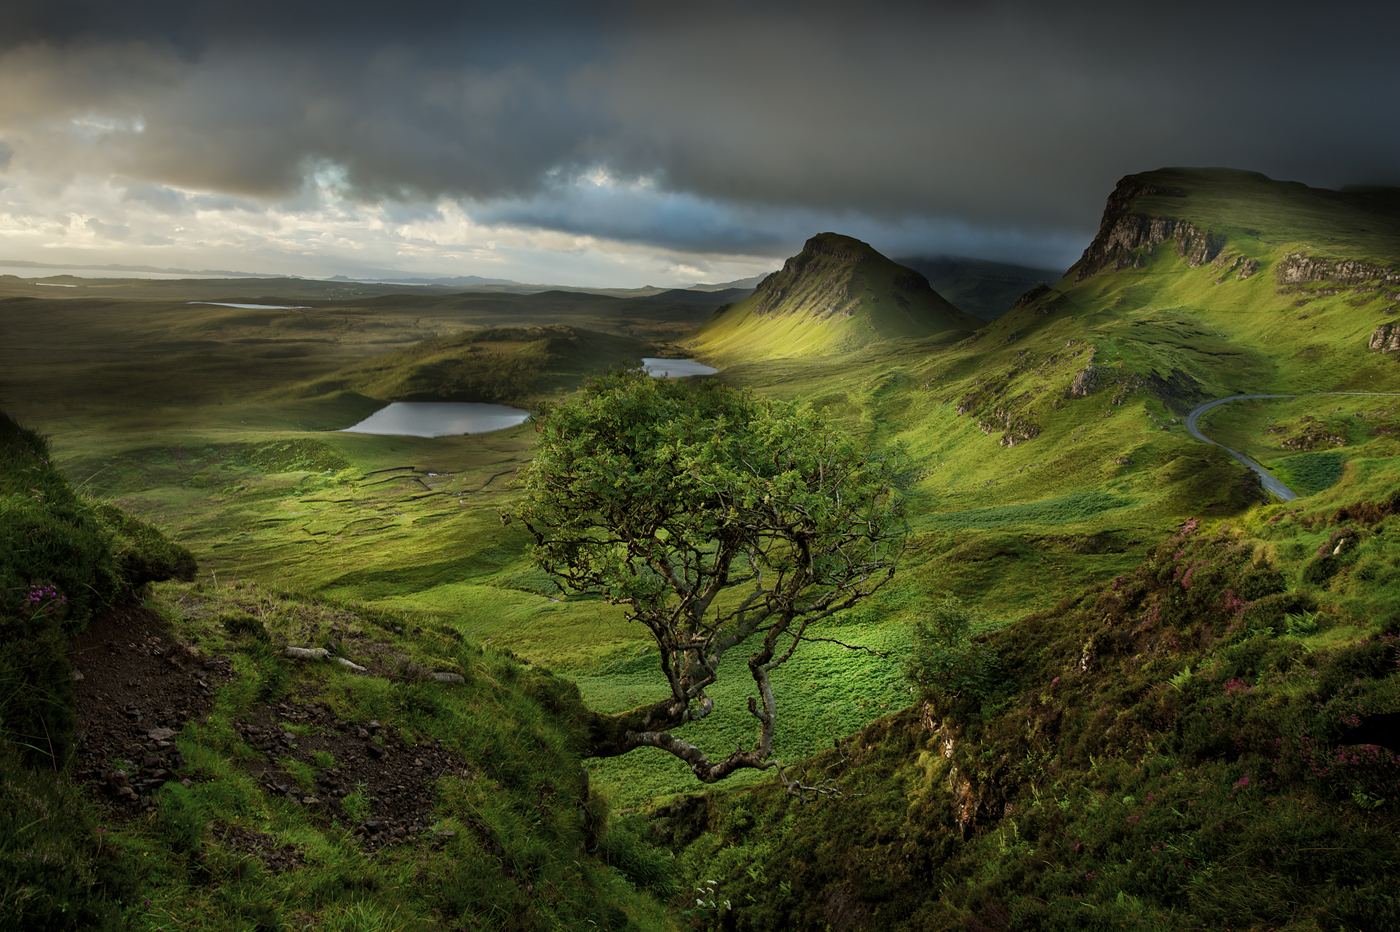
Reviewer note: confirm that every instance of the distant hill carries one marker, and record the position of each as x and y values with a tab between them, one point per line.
980	287
837	295
499	365
747	284
1200	283
399	278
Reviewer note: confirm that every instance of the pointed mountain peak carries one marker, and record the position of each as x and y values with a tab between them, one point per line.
837	295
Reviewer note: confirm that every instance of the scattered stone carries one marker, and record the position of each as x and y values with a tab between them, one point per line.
307	653
160	734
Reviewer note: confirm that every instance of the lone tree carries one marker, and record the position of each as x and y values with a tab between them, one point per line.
719	520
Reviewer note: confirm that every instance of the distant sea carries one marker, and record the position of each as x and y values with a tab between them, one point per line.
33	274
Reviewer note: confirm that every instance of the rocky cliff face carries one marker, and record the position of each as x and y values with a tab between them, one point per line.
1297	268
1122	232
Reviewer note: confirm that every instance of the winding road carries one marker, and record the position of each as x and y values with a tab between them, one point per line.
1270	483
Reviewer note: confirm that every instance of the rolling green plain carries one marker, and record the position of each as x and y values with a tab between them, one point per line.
1052	467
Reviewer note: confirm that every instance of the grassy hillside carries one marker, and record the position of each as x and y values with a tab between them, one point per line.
166	765
1208	741
499	365
836	296
1156	749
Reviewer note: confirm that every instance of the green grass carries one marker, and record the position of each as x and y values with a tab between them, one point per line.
1094	785
824	693
214	423
360	518
1063	509
518	821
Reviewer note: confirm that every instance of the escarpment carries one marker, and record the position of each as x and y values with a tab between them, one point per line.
1297	268
1122	233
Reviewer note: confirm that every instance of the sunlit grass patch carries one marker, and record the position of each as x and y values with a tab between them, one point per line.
823	693
1063	509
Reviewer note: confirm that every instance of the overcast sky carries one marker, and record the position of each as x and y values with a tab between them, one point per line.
650	142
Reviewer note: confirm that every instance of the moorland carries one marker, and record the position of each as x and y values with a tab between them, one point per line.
1114	682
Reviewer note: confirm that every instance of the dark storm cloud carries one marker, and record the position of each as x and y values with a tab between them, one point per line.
1010	117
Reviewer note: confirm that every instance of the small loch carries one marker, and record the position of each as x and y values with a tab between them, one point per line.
438	419
675	368
255	307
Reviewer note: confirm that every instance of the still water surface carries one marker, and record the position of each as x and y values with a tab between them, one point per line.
256	307
675	368
451	418
439	419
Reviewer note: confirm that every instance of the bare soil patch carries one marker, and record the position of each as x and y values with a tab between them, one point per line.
137	687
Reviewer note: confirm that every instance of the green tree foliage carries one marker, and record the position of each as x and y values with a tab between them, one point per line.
717	519
944	658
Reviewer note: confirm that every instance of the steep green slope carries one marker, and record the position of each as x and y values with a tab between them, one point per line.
1190	742
1208	741
836	296
165	764
1167	310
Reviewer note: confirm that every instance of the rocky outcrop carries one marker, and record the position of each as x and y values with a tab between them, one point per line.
1297	268
1308	434
1385	339
1032	296
1042	300
1178	392
1015	430
1122	233
1242	267
965	801
1086	381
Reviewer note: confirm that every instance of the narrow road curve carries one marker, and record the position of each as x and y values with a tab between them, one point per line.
1270	483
